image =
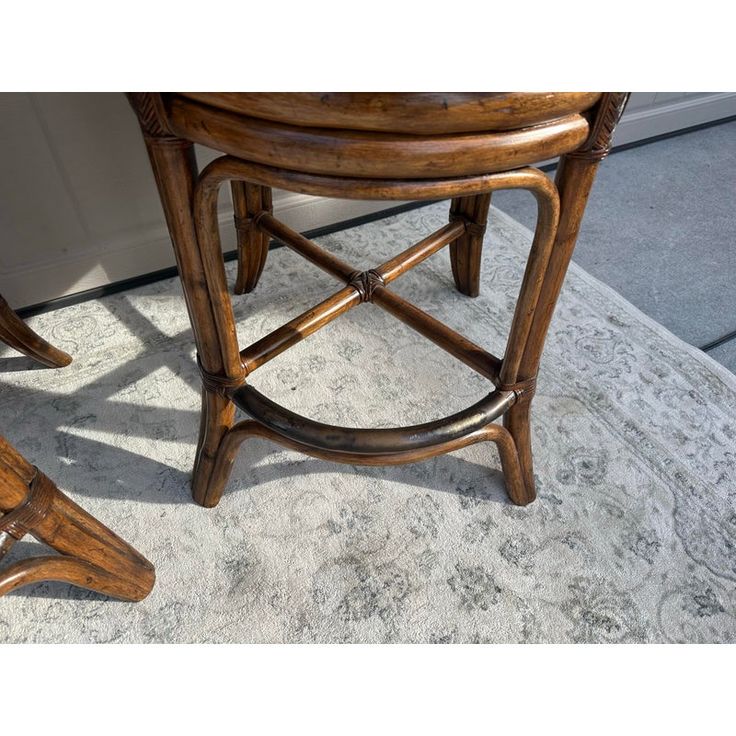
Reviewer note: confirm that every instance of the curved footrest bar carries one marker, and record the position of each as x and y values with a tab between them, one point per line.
329	438
507	450
62	569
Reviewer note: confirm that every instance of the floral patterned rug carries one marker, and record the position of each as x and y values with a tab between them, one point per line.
631	539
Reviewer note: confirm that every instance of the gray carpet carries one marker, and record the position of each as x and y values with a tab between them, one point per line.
631	539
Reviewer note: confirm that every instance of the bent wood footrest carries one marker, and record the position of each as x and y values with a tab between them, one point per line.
90	555
395	440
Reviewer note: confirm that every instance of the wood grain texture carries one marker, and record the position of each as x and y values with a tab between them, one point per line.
91	556
248	200
373	155
16	333
423	113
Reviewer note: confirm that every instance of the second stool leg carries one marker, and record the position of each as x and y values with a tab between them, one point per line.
248	201
466	251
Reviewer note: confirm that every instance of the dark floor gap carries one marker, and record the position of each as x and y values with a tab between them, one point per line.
720	341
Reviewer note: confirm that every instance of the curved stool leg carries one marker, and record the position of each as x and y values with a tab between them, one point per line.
16	333
574	180
202	274
248	201
91	556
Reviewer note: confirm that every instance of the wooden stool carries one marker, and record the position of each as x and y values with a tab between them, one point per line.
385	146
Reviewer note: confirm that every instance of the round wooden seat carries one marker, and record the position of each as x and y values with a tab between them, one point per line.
424	113
385	135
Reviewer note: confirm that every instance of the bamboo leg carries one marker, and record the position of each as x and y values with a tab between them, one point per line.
466	251
16	333
197	249
91	556
210	474
574	180
248	201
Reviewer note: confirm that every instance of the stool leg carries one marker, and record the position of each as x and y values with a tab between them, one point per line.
575	176
16	333
249	200
202	274
466	251
91	555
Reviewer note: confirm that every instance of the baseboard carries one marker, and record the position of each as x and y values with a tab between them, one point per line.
651	122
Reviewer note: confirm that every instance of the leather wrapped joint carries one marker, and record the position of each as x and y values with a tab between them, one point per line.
219	384
32	511
525	388
471	228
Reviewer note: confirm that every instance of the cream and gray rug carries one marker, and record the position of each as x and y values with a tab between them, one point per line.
631	539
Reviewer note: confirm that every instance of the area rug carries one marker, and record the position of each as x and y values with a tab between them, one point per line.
631	538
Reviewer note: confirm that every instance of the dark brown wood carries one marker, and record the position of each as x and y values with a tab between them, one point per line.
205	291
492	433
91	556
574	180
403	150
359	441
400	264
288	335
440	334
228	168
16	333
306	248
248	201
465	252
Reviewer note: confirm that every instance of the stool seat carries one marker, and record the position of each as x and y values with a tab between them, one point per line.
424	113
385	135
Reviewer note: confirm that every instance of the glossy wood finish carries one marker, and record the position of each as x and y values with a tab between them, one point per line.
384	441
492	433
364	154
423	113
90	555
320	156
248	200
465	252
16	333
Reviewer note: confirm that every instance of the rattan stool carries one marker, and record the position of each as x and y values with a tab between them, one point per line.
383	146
